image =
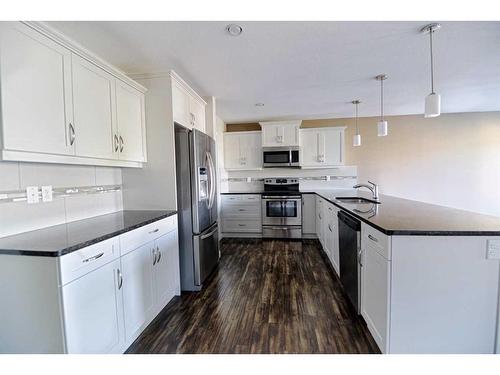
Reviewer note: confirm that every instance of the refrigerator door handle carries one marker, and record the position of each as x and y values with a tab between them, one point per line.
211	168
205	236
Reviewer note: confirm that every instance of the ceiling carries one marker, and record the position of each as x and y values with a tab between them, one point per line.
309	69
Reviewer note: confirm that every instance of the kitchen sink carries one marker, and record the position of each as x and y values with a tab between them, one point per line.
356	200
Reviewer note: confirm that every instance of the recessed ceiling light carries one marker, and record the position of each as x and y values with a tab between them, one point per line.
259	104
234	29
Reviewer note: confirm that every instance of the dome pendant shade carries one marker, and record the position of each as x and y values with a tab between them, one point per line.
356	140
382	128
432	105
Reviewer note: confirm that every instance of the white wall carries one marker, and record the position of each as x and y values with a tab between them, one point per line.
17	217
154	187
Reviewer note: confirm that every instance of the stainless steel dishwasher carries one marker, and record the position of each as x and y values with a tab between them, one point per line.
349	252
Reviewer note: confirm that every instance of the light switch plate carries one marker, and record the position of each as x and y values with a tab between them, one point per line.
32	194
493	249
47	193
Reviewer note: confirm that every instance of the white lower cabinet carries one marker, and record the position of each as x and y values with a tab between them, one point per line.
166	269
138	293
93	314
327	230
309	215
375	284
241	215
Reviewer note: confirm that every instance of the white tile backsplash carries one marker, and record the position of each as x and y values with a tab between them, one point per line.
18	217
21	217
108	176
83	206
9	176
57	175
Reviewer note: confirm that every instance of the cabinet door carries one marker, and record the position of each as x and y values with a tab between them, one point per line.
93	312
375	276
35	78
197	111
290	135
232	156
180	106
333	237
331	147
251	150
166	269
138	292
309	214
93	103
272	135
309	140
320	220
130	122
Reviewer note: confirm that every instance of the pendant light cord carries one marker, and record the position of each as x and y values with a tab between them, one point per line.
381	100
357	128
432	62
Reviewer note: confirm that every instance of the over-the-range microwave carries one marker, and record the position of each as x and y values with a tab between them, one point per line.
281	157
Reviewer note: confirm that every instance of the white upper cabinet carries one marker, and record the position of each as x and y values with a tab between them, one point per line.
130	123
243	150
322	147
188	107
280	133
61	104
35	81
93	96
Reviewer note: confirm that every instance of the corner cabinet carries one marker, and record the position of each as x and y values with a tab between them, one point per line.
280	133
322	147
243	150
60	104
187	106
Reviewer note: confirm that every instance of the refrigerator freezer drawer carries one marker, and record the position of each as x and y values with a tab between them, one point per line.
206	253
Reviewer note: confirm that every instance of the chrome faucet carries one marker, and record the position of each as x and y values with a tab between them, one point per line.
372	187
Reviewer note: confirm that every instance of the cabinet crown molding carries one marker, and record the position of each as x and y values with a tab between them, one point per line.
186	87
83	52
287	123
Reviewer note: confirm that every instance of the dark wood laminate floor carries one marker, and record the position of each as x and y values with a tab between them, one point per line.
265	297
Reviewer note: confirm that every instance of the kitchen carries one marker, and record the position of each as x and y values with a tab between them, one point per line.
164	204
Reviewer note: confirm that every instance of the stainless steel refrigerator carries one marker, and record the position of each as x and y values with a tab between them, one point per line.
197	206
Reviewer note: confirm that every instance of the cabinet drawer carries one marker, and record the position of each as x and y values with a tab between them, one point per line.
375	240
132	240
240	198
241	210
83	261
235	226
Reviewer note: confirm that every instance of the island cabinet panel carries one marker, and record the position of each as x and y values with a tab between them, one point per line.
444	295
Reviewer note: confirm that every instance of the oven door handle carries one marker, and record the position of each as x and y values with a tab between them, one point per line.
282	197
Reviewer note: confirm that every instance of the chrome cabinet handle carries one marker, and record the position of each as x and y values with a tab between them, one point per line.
159	254
279	228
72	134
241	209
154	257
372	238
330	228
122	143
154	231
242	225
320	216
120	278
360	255
116	143
93	258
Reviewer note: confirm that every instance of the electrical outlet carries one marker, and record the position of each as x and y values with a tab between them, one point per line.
47	193
493	249
32	194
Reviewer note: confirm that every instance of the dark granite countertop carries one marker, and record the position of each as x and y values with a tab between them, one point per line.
65	238
398	216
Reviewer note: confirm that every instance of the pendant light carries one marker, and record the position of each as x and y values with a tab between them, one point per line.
433	100
356	139
382	124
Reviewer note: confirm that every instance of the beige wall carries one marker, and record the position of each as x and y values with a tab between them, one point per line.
451	160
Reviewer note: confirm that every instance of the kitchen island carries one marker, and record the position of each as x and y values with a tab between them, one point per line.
429	275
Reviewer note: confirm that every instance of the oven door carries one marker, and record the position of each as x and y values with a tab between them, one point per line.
281	210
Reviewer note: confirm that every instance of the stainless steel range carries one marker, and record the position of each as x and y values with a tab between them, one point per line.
281	208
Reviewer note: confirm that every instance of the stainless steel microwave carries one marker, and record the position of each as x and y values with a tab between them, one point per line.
281	157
